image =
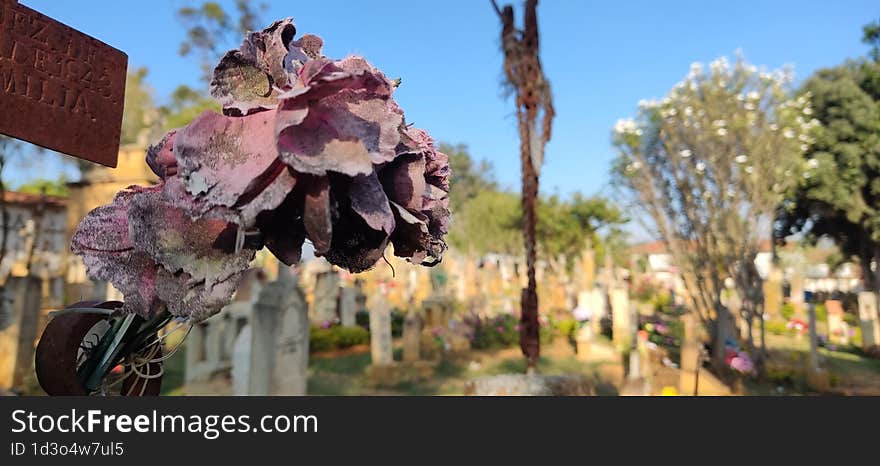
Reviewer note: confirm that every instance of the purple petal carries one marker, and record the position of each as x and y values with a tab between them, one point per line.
316	214
368	200
232	162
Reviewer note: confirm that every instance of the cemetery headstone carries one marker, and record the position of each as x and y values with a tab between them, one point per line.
797	292
412	335
326	296
290	374
380	331
690	356
583	340
838	330
17	339
279	346
241	362
621	318
773	292
348	306
868	317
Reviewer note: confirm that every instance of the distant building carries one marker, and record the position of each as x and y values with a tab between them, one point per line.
35	239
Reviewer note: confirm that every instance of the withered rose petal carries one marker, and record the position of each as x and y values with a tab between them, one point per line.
311	45
404	180
356	246
133	274
179	243
233	162
316	214
188	297
105	229
249	79
102	240
411	238
435	205
437	170
338	122
160	157
283	229
369	200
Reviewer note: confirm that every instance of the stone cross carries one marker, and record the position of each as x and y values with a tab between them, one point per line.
59	88
380	331
869	319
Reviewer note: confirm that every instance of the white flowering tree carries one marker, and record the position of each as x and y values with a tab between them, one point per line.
707	166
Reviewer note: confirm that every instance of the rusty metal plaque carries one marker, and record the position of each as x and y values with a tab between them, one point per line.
59	88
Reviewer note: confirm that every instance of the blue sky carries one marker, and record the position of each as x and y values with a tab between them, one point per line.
601	58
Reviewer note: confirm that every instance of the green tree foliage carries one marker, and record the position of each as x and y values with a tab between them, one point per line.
56	187
871	36
842	198
487	218
469	178
185	105
140	119
211	30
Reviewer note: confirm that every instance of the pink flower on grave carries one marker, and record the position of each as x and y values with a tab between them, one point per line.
500	329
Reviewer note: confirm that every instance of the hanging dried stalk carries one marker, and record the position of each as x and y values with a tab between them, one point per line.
534	102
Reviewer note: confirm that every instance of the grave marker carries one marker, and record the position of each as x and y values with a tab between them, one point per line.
59	88
869	319
380	331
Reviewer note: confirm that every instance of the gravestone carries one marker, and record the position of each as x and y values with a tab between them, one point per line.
583	341
264	325
206	351
773	292
290	374
838	330
380	331
18	337
412	335
818	378
690	356
797	292
348	306
241	362
326	296
211	343
868	318
621	318
62	89
279	346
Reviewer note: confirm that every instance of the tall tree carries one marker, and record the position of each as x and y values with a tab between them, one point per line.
842	198
707	168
